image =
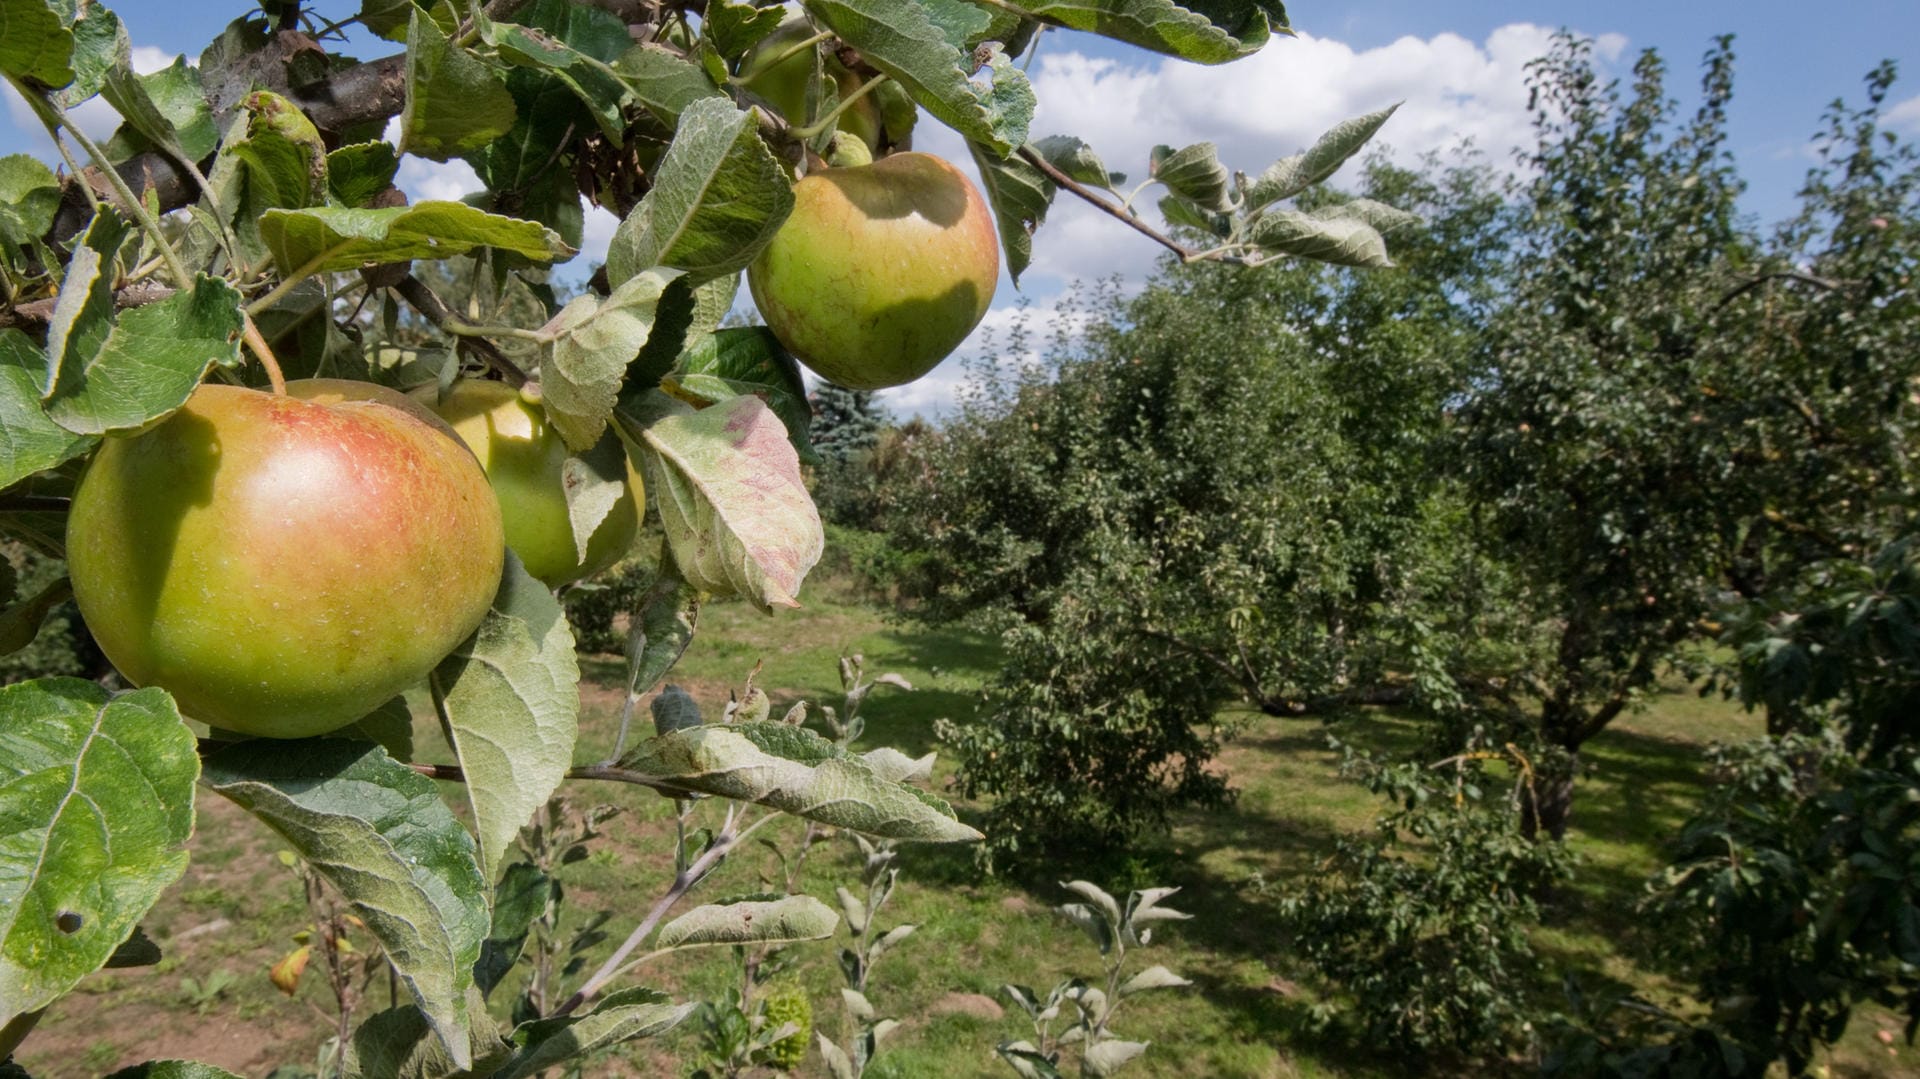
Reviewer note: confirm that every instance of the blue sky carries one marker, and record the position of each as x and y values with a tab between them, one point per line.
1458	66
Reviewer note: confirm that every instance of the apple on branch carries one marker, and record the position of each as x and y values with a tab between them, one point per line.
524	457
880	271
283	565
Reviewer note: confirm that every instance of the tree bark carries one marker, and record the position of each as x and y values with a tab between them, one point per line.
1550	809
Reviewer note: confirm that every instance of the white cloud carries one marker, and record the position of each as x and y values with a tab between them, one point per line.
1256	111
424	180
1905	117
595	235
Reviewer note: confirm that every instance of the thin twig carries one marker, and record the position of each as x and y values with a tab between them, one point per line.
1073	185
1783	275
605	772
435	310
682	883
815	128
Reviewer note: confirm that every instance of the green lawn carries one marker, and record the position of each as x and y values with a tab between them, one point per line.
238	906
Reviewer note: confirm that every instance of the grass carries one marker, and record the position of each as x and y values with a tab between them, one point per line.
1244	1016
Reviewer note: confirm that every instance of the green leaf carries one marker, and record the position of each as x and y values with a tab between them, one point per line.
596	340
328	239
96	806
357	173
1194	173
663	82
899	38
387	18
1077	160
99	43
788	919
1027	1061
624	1016
963	24
718	198
518	901
1106	1058
509	699
749	359
589	81
1179	211
594	483
1376	215
1236	29
29	440
529	152
34	44
1289	176
733	28
1154	977
798	772
664	630
732	503
398	1044
1341	241
895	766
165	108
378	832
456	103
1020	196
278	163
29	197
173	1069
147	363
390	726
674	709
20	623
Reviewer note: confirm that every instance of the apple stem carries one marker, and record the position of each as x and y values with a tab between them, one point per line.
827	121
251	334
785	54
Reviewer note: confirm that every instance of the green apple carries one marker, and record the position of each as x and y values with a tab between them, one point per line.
780	79
523	456
283	565
880	271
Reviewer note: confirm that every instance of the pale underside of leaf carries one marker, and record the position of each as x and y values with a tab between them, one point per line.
732	501
509	698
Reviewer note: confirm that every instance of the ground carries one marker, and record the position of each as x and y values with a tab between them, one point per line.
237	909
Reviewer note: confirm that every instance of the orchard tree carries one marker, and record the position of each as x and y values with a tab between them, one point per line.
1223	490
204	353
1595	442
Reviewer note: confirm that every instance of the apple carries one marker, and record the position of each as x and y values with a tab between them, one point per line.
522	455
783	84
880	271
283	565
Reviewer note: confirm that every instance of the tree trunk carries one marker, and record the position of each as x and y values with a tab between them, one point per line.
1551	807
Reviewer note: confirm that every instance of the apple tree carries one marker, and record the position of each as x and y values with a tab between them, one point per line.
210	326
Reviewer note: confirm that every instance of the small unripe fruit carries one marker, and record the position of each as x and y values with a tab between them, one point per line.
283	565
880	271
523	457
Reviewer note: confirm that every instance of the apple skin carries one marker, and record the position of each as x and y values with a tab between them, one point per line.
284	565
522	455
784	85
880	271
